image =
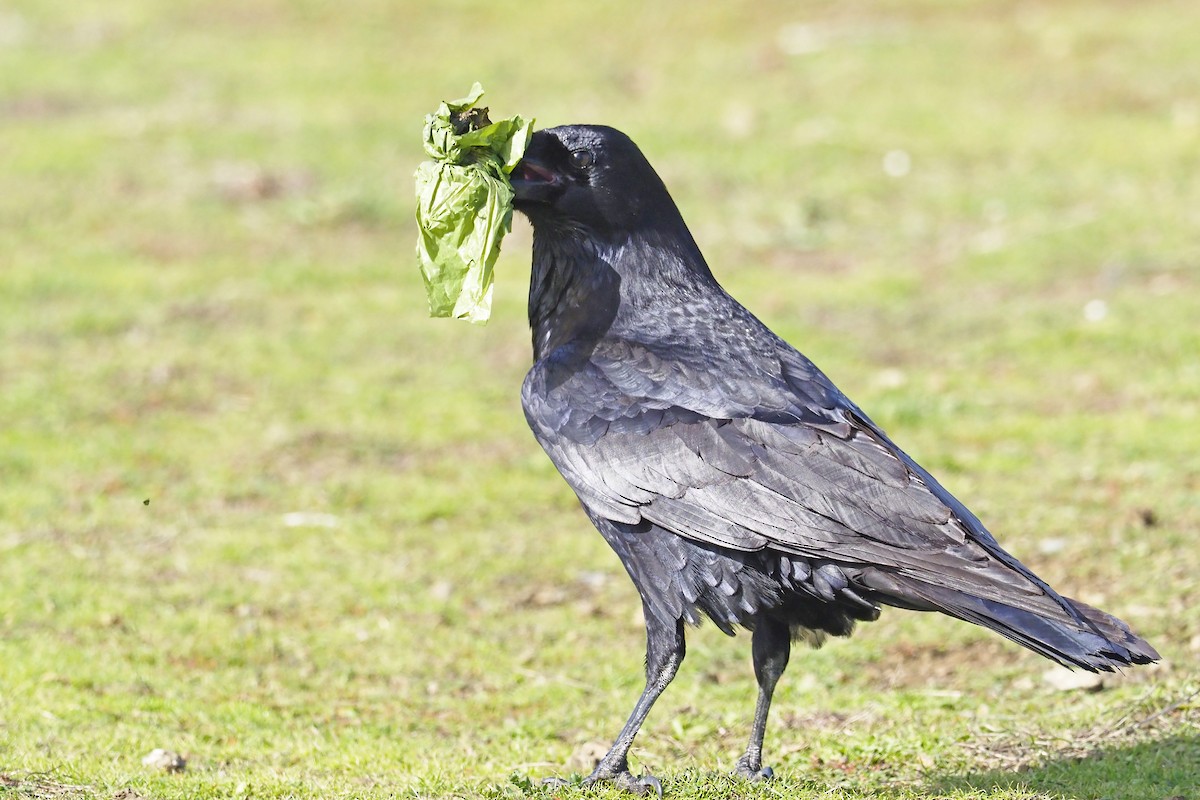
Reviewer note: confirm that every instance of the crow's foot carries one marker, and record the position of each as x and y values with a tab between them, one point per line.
616	771
753	772
641	785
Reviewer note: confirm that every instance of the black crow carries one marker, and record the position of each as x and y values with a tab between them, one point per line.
730	476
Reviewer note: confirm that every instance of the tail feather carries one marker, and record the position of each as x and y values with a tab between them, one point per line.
1101	643
1115	630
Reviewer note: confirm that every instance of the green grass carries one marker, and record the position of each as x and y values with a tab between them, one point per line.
209	301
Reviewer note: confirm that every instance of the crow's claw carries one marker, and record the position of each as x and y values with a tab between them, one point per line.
644	784
754	774
641	785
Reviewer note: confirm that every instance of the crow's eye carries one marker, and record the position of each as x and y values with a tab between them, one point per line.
582	158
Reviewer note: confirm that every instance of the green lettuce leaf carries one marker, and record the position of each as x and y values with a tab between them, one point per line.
464	203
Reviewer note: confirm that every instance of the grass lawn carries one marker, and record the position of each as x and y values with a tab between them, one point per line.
258	509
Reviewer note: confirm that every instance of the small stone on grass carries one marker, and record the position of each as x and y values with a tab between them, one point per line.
1065	680
166	760
586	757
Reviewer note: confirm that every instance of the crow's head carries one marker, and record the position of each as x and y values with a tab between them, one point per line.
590	177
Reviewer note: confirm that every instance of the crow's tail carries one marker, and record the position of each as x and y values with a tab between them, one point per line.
1072	633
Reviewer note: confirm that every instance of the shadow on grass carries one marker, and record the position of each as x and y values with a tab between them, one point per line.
1161	769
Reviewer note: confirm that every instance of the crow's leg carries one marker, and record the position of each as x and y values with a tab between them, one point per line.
771	646
665	649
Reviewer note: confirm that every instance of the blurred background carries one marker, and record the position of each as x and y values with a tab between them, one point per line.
258	509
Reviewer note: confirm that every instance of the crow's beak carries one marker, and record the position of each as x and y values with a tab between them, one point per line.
534	182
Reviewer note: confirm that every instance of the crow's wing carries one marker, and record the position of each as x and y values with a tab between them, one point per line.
762	453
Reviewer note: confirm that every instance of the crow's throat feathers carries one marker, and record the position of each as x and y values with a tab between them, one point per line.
582	286
574	292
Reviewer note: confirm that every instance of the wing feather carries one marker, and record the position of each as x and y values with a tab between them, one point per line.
778	459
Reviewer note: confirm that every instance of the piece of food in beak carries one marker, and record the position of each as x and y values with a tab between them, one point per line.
464	203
